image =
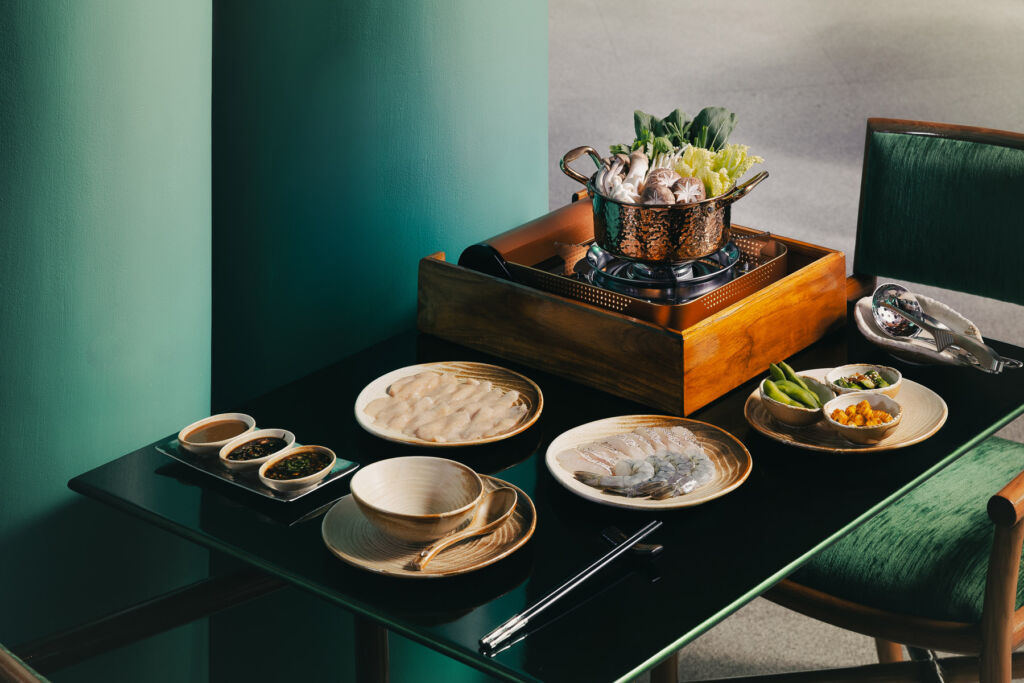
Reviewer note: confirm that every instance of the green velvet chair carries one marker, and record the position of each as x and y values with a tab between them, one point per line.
940	570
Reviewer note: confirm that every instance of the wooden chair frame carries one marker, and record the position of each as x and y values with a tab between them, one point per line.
1001	629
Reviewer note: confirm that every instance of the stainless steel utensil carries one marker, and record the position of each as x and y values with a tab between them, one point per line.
984	356
890	323
658	233
495	638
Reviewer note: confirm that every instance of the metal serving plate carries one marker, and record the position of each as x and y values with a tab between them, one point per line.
250	480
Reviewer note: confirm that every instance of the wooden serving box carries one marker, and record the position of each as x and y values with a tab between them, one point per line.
677	371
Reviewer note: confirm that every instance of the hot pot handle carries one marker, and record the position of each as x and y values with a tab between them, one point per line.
574	154
741	191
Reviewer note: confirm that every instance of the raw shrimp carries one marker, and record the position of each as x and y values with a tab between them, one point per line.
624	484
654	462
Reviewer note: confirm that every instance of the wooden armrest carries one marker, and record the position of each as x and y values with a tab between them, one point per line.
858	285
1006	508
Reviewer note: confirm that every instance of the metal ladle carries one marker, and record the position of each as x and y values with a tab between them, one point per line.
891	323
898	297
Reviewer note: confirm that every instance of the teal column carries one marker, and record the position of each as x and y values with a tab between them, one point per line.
350	140
105	304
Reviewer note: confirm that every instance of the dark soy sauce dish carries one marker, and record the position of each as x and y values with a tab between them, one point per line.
257	448
298	465
297	468
252	449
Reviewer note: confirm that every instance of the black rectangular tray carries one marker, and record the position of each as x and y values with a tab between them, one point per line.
250	480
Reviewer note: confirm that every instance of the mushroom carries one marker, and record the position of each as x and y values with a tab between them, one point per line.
625	192
662	176
656	193
609	173
689	190
637	168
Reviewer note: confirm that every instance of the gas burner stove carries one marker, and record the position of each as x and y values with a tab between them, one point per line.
664	284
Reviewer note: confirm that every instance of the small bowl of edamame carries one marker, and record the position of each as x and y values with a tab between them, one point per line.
874	379
790	403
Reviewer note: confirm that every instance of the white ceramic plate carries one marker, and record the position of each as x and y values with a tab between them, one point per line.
731	458
529	395
924	413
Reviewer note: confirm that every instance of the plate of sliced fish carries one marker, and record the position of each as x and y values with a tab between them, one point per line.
648	461
449	404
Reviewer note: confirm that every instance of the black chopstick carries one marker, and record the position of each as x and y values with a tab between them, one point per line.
519	621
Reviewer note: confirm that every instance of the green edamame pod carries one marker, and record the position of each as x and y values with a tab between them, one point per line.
772	392
806	398
791	376
776	372
877	378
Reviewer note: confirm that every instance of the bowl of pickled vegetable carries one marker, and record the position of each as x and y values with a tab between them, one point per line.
297	468
794	400
877	379
863	417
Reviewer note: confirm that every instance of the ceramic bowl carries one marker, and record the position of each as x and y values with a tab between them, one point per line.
792	415
417	498
890	375
864	435
212	447
254	464
303	482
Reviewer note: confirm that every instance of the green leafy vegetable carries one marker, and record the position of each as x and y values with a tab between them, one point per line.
643	139
661	145
714	125
642	122
675	127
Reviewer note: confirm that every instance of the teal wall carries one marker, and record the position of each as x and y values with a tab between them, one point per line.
351	139
104	303
348	140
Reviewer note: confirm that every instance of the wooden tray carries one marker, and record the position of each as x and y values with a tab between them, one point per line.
677	371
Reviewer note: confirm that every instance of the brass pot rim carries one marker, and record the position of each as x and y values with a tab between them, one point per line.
682	207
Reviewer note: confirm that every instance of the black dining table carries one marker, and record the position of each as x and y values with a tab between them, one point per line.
633	615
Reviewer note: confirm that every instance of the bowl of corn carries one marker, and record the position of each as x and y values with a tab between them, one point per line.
863	417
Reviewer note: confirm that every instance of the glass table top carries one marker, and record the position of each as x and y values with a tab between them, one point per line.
717	556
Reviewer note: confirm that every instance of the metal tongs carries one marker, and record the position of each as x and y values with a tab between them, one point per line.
984	356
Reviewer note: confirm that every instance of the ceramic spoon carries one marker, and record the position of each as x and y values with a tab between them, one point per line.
496	507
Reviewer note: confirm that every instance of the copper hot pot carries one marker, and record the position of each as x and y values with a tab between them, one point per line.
658	233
